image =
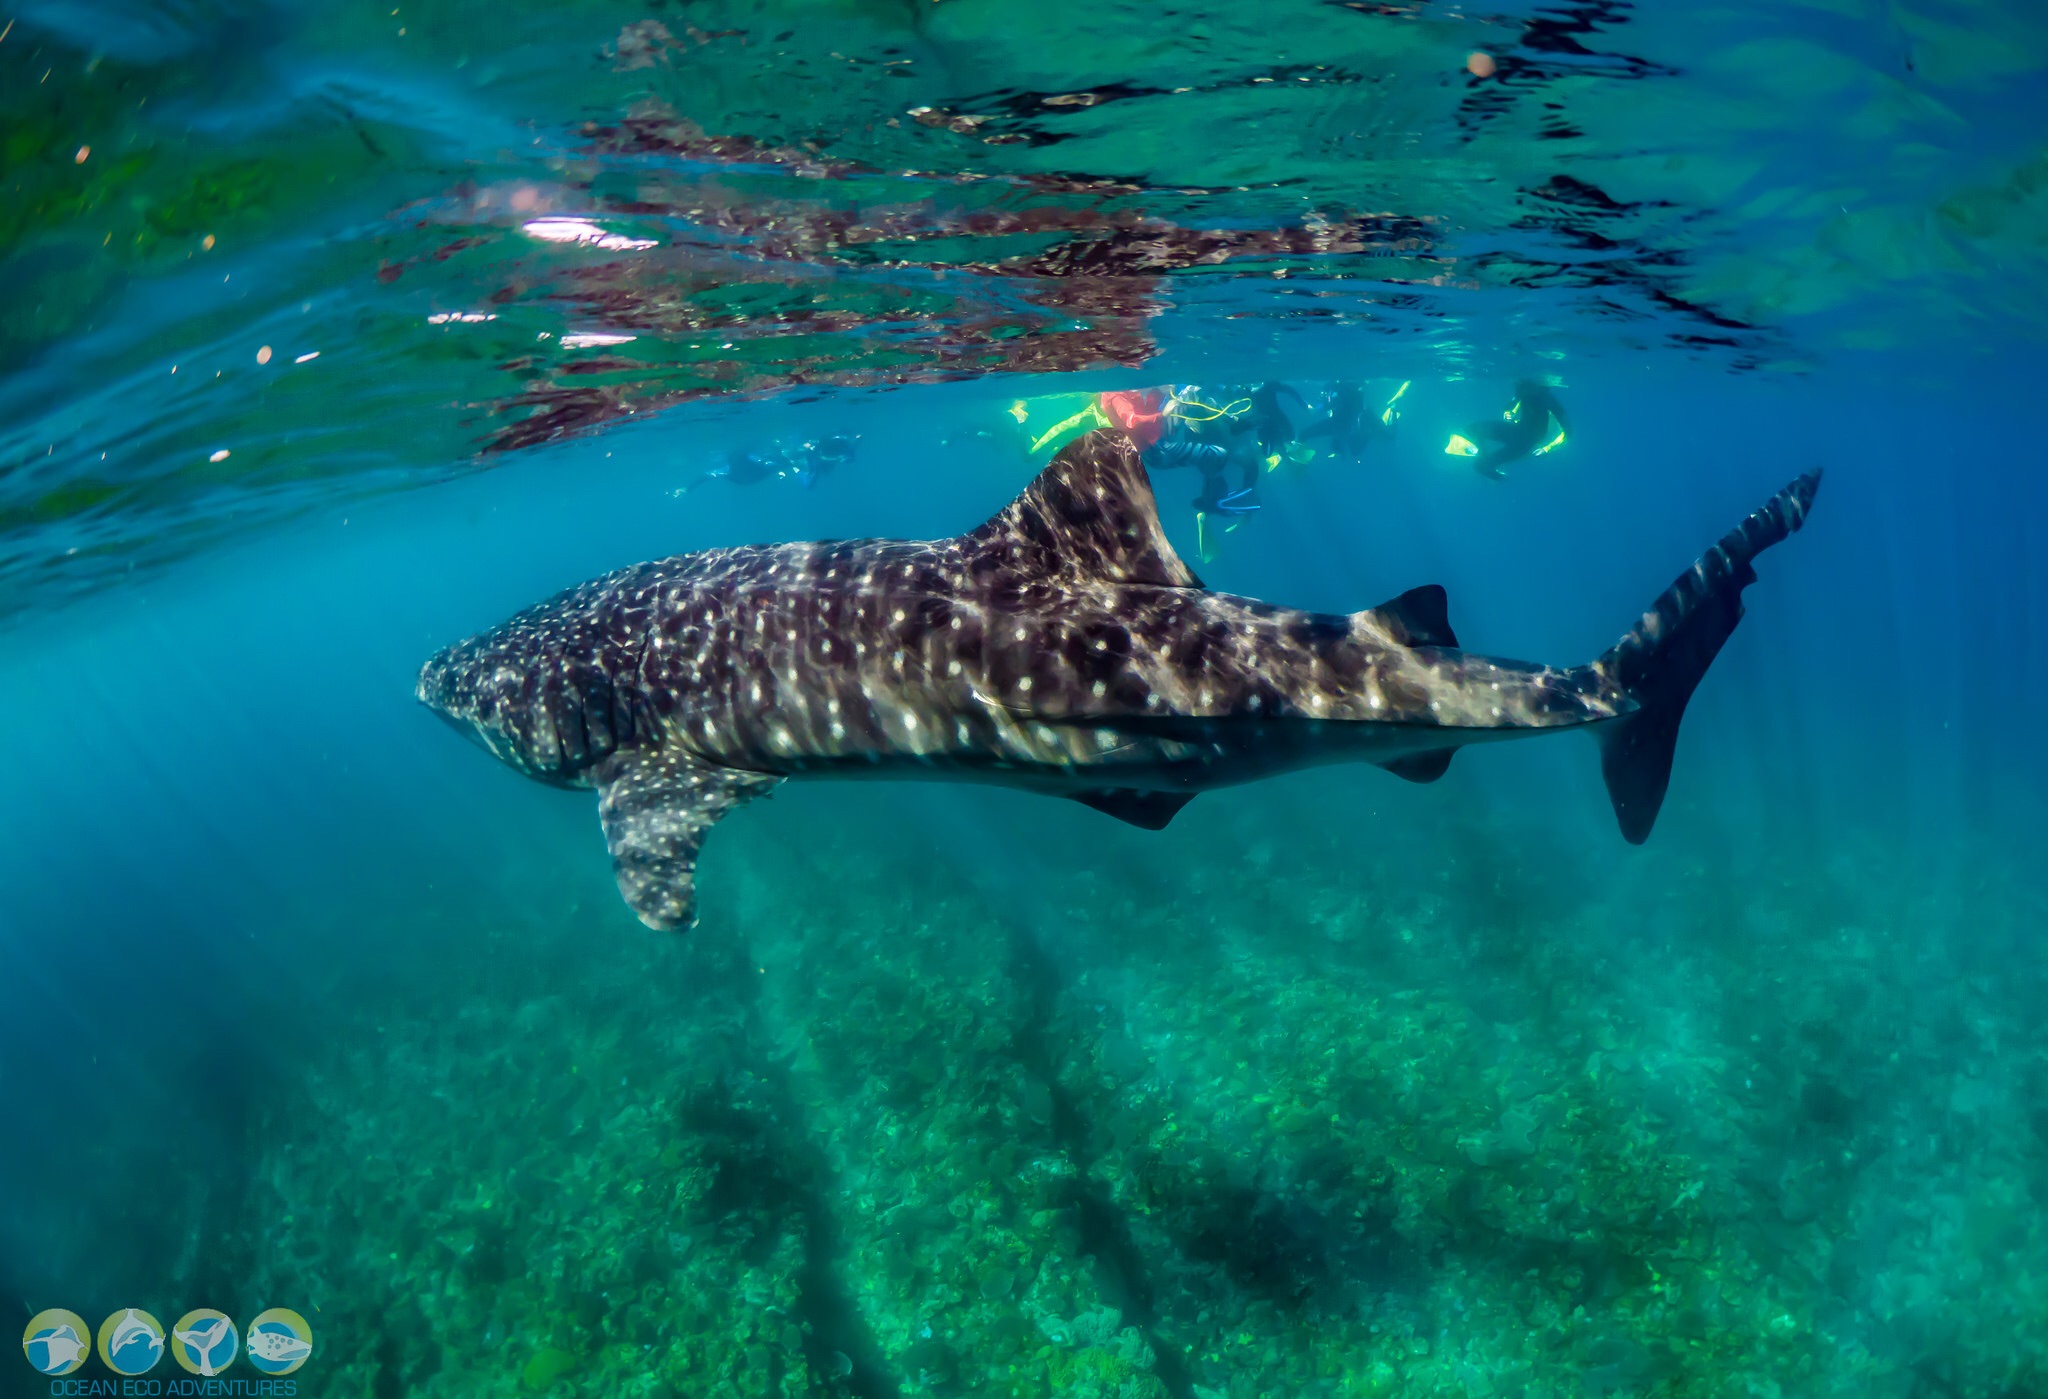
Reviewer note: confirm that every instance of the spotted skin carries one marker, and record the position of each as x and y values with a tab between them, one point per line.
1063	647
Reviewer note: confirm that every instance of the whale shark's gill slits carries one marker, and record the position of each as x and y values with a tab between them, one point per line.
1089	515
541	700
594	699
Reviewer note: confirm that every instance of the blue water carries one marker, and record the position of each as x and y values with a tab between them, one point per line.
1340	1085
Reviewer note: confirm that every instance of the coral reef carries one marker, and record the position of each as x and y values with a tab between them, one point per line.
1307	1122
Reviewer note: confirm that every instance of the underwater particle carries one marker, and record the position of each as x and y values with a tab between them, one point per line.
221	455
547	1367
1480	64
263	355
84	153
309	355
206	243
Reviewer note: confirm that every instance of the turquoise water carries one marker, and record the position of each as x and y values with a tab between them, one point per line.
314	359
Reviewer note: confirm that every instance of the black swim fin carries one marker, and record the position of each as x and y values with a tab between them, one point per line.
1661	660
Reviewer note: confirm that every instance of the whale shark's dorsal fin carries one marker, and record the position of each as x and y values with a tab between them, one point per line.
1419	617
1090	515
656	807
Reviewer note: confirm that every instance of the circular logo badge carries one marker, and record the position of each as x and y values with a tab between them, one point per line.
279	1341
57	1341
131	1342
204	1341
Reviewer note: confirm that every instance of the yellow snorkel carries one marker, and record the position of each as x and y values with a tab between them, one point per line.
1206	412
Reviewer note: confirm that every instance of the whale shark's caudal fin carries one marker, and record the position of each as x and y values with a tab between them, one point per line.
1089	516
656	806
1660	662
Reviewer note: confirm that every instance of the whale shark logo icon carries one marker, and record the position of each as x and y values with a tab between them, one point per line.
278	1341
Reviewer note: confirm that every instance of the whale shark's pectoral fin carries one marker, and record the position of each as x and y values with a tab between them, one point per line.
1150	811
1089	515
656	807
1421	767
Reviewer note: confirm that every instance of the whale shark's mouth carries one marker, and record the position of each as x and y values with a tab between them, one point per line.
438	689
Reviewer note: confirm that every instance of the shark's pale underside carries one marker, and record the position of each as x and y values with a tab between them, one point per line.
1062	647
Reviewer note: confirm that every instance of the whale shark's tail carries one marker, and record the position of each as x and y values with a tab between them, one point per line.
1660	662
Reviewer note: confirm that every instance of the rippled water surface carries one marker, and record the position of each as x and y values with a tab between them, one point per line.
333	333
504	226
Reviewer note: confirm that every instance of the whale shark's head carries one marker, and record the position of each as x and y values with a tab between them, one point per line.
477	694
535	710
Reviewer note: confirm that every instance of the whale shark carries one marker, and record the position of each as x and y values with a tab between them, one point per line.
1062	647
276	1346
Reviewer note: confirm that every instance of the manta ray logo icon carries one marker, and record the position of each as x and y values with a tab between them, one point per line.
56	1341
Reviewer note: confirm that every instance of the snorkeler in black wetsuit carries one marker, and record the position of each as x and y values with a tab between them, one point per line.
805	462
1533	425
1213	431
814	459
1279	414
1350	424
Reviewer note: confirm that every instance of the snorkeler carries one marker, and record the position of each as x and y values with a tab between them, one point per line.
805	462
1278	415
1349	423
1228	434
1217	433
1533	426
814	459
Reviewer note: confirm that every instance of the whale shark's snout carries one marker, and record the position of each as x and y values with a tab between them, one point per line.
458	690
494	705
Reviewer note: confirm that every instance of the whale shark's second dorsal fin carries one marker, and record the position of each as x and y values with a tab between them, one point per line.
1090	515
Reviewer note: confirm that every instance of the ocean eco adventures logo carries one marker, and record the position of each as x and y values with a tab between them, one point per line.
56	1341
279	1341
131	1342
205	1341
